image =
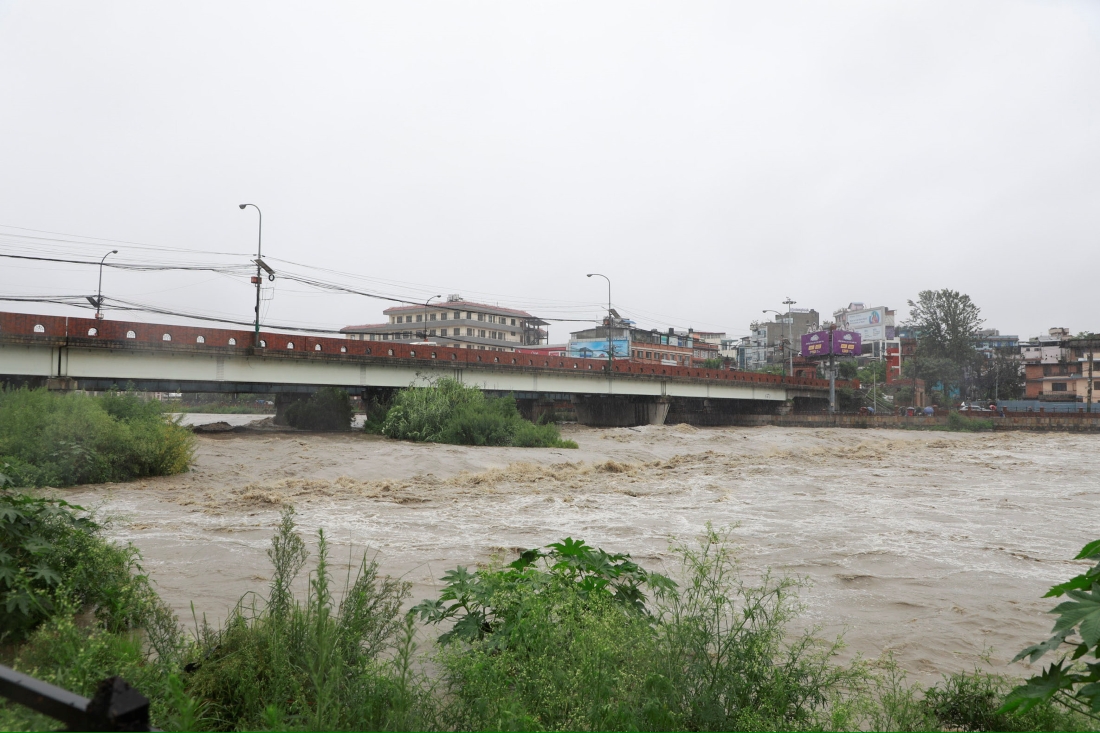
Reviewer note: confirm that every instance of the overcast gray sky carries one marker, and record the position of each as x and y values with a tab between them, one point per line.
711	158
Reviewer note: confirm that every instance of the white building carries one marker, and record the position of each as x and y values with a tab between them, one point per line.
875	326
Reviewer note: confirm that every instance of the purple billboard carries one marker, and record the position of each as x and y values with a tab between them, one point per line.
842	343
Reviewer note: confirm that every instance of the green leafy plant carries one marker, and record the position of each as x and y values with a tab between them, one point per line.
447	411
480	603
51	439
1074	682
327	663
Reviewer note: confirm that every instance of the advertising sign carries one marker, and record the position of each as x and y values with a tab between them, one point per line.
847	343
597	349
815	344
844	343
864	319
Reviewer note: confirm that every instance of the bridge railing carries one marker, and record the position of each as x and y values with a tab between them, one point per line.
124	334
115	705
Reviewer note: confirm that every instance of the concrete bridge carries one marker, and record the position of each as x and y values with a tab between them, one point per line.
86	354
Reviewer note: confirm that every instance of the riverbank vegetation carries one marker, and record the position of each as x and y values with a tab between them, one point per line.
54	439
447	411
566	637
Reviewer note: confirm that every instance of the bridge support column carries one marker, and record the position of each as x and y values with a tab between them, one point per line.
620	411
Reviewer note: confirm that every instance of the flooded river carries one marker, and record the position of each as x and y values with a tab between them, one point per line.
933	546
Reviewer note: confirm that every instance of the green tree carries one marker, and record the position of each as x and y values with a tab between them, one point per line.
946	323
999	377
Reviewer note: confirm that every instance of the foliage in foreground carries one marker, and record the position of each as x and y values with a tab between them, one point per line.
565	637
329	408
53	557
1073	683
52	439
447	411
278	663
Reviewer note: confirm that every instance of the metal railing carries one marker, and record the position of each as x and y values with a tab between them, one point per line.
115	705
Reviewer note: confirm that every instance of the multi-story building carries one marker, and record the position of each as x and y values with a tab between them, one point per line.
989	342
1058	368
457	322
770	342
671	348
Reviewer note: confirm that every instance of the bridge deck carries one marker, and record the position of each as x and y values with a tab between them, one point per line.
96	352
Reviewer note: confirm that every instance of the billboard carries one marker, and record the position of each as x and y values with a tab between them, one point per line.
847	343
872	324
597	348
815	344
843	343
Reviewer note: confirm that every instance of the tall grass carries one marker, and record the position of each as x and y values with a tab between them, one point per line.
52	439
447	411
324	664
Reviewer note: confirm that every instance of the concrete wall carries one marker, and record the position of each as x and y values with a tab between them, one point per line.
1019	421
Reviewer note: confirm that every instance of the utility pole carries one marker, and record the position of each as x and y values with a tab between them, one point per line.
832	370
610	345
1092	347
258	279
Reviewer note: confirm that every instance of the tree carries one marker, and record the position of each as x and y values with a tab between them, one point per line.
999	377
946	323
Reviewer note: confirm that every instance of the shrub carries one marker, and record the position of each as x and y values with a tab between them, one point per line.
568	640
329	408
959	422
447	411
52	557
318	665
51	439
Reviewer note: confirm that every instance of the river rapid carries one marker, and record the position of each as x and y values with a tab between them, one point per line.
934	547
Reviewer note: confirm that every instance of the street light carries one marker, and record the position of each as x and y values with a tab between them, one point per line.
609	345
790	325
259	256
429	300
769	310
99	291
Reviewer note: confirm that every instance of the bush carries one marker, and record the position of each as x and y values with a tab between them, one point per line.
959	422
317	665
51	439
52	557
329	408
447	411
568	640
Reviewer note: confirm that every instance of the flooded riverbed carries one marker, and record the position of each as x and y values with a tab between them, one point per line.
932	546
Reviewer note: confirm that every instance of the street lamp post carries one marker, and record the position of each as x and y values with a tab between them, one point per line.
790	333
769	310
259	256
429	300
609	343
99	290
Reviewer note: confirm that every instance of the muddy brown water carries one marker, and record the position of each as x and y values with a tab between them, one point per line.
935	547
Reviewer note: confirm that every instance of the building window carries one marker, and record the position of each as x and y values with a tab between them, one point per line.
431	317
442	332
481	334
481	316
1058	387
469	332
431	332
419	319
132	335
469	315
232	342
200	339
513	323
442	316
166	337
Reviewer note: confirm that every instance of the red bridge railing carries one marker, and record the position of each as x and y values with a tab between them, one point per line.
132	335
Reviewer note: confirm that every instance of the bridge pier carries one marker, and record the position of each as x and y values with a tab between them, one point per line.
619	411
